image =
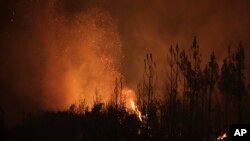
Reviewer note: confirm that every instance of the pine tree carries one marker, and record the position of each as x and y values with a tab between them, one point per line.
211	76
239	58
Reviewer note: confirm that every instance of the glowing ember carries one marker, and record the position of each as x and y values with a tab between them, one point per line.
223	136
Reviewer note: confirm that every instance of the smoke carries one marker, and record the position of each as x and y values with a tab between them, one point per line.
152	26
52	60
55	52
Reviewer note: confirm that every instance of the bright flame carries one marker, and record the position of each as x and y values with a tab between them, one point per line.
129	95
223	136
135	109
132	104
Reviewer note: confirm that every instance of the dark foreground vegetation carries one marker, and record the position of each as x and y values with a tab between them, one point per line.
198	104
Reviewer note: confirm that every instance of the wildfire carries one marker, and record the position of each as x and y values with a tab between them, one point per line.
223	136
135	109
130	102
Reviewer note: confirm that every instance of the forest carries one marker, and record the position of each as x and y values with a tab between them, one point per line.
200	101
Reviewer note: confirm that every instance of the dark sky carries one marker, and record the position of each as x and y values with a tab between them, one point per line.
54	52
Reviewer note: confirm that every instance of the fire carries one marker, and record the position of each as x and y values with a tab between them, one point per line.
130	102
223	136
135	109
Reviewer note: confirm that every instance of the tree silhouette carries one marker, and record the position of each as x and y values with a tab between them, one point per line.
211	74
170	108
193	90
232	84
192	108
146	94
239	58
117	98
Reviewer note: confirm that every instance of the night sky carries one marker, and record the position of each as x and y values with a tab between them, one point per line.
55	52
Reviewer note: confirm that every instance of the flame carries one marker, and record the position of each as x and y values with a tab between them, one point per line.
135	109
223	136
131	106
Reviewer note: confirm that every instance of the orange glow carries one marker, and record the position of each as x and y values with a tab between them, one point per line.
130	98
135	109
132	104
84	59
128	95
223	136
